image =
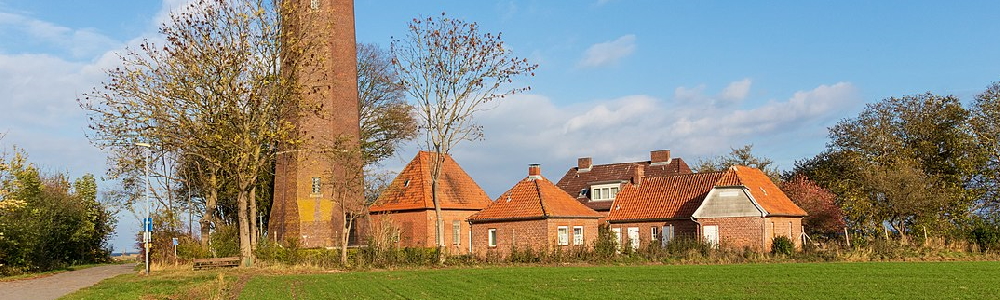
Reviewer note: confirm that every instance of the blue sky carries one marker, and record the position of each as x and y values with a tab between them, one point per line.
616	79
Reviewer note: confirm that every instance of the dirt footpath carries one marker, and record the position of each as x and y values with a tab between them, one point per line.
58	285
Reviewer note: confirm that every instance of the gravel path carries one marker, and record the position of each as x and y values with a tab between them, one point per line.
58	285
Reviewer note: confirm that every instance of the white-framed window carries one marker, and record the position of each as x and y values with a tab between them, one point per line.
668	234
633	237
654	234
711	235
456	232
493	237
790	237
317	186
604	191
577	235
563	235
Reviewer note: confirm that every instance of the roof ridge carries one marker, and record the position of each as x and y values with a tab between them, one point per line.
541	200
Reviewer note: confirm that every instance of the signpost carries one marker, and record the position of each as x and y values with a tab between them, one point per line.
147	237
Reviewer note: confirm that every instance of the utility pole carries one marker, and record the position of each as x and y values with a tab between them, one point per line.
147	235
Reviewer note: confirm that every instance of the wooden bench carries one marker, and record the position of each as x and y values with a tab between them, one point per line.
224	262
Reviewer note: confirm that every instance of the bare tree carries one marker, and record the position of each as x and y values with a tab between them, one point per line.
452	71
215	91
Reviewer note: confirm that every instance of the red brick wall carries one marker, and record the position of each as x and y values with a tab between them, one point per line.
589	232
681	228
522	234
741	232
331	81
417	228
790	227
536	234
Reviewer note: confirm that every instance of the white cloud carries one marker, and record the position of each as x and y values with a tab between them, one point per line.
527	129
77	42
608	53
736	90
733	93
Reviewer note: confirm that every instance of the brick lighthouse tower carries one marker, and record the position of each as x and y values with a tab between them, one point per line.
311	185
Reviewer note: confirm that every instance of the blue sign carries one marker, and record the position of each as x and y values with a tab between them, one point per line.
175	241
148	224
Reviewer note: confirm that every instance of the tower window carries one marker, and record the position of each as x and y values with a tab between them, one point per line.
317	185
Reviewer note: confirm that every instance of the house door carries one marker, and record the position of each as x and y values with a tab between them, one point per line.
633	237
711	235
668	234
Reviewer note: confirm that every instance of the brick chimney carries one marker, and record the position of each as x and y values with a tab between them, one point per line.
638	174
659	157
583	164
534	171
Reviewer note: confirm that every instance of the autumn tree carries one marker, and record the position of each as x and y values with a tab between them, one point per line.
48	222
452	71
984	113
386	119
742	156
904	161
825	216
214	92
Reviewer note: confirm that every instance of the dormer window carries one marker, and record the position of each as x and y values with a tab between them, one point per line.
604	191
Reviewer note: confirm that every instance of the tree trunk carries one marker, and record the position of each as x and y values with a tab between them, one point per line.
246	252
211	201
253	218
345	235
439	222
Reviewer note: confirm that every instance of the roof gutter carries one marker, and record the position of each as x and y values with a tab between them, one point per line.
472	221
646	220
786	215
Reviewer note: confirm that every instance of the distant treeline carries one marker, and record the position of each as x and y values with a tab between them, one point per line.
48	222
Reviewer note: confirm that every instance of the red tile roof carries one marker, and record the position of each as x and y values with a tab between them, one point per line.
766	193
412	188
576	180
679	196
663	197
533	197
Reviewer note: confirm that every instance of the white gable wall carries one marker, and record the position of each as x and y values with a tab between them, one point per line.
729	202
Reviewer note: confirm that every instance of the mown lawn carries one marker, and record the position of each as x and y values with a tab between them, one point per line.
870	280
896	280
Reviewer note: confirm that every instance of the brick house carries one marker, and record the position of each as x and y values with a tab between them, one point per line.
536	214
407	204
596	186
736	208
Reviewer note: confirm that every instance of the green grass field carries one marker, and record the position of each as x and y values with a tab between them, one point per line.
879	280
900	280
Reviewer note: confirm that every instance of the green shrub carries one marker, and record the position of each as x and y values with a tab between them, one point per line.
225	241
605	246
688	245
287	253
782	245
523	255
188	248
985	236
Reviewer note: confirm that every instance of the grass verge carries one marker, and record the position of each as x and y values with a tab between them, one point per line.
48	273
